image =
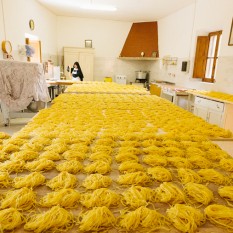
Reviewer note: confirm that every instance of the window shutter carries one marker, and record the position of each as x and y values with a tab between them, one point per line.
201	57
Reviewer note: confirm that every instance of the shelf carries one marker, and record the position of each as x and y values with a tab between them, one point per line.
140	58
170	60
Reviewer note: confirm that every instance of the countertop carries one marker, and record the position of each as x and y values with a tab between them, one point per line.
208	97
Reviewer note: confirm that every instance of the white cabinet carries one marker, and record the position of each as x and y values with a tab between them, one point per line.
214	112
85	57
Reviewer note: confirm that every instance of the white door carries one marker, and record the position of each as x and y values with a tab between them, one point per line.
86	62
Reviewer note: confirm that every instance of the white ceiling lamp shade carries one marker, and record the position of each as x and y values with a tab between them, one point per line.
97	7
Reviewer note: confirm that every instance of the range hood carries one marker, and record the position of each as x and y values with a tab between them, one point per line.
142	42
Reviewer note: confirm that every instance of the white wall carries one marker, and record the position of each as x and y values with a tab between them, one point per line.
177	37
17	15
108	38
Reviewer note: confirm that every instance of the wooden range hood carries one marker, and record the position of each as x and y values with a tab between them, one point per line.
142	38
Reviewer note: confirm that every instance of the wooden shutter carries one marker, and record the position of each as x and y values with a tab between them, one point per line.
201	57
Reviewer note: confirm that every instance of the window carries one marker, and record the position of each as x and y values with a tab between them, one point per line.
207	56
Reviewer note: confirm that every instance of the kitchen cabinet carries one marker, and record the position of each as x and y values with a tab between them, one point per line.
85	57
214	112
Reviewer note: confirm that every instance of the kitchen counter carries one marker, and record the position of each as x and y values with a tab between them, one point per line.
190	92
168	91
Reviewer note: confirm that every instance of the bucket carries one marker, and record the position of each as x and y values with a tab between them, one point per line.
107	79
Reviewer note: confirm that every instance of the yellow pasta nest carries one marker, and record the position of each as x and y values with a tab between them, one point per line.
220	216
174	152
99	166
50	155
100	156
68	198
130	166
79	147
188	175
121	157
25	155
63	180
21	199
54	220
4	135
185	218
5	179
149	220
105	142
99	219
100	148
131	150
71	166
130	144
155	151
12	166
57	148
169	193
96	181
226	193
3	156
211	175
137	196
226	164
10	219
155	160
198	193
100	197
193	151
160	173
179	162
200	162
40	165
135	178
32	180
74	155
10	148
216	154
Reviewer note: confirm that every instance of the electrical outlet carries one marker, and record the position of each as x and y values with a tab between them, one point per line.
173	75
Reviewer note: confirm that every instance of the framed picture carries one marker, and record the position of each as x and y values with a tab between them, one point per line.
88	43
230	43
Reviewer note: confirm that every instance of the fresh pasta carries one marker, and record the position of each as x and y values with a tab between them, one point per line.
220	215
137	196
198	193
145	218
134	178
188	175
167	192
185	218
56	219
160	174
68	198
10	219
32	180
63	180
100	197
95	181
71	166
21	199
96	220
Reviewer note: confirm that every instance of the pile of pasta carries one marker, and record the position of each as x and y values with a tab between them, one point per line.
132	162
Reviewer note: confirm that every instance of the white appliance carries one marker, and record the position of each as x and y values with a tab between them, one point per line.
121	79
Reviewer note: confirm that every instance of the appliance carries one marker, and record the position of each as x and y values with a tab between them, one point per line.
142	76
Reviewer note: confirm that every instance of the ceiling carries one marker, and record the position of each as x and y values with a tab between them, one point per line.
127	10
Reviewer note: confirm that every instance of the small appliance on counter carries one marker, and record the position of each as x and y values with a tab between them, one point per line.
142	76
